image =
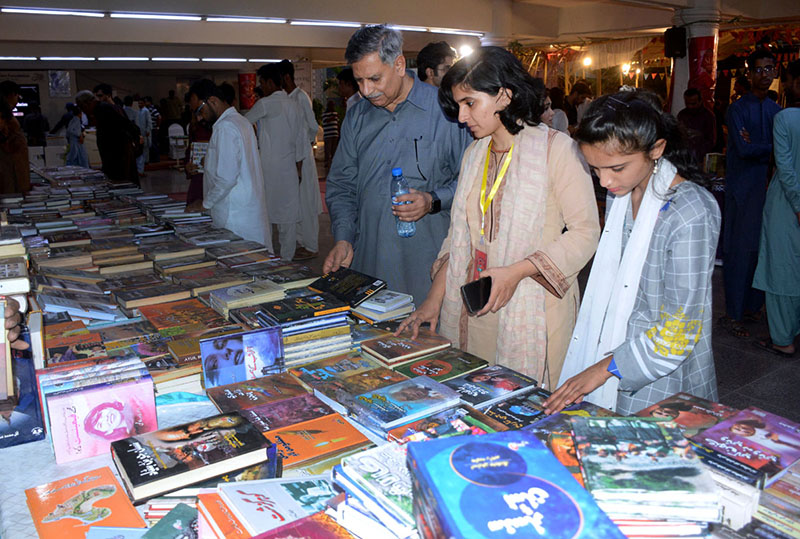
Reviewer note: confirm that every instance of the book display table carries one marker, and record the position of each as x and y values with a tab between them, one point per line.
30	465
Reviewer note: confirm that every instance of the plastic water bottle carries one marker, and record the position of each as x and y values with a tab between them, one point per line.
405	229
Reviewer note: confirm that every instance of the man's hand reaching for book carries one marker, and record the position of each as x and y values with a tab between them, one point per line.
13	320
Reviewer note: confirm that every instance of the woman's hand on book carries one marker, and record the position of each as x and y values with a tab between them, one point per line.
13	320
576	388
428	313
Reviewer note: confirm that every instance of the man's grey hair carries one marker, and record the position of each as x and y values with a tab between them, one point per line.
388	43
84	96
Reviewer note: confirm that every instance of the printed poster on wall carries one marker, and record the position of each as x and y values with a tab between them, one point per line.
247	85
703	66
58	83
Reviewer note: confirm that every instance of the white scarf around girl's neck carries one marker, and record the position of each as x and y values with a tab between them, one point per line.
603	318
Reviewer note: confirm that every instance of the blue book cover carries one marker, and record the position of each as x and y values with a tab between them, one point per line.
228	359
24	423
505	484
404	401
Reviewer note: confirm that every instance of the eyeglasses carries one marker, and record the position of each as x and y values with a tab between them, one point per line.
766	70
416	156
197	112
616	103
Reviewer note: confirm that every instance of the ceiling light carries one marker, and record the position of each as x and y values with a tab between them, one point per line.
464	50
123	58
264	60
17	58
408	28
67	58
456	32
156	16
587	61
224	59
174	59
246	19
32	11
340	24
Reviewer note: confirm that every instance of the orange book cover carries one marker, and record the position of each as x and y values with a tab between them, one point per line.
64	329
67	508
186	314
315	439
220	517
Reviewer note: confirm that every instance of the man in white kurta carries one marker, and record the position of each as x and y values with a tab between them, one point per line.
310	200
233	187
276	117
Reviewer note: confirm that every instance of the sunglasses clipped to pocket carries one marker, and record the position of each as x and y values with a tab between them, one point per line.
476	294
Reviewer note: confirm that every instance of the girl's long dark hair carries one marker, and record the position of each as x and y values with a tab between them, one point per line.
488	70
633	120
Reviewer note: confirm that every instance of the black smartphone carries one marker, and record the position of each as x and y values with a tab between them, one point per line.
476	294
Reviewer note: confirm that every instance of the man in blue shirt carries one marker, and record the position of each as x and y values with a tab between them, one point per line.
398	124
749	123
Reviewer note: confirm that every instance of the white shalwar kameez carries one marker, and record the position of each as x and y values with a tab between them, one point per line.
310	199
276	117
233	187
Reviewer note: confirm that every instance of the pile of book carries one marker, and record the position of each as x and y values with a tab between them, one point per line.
385	305
779	504
87	404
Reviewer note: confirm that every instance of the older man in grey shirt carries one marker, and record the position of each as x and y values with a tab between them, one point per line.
399	124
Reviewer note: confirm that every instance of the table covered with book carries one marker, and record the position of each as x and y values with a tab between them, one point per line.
187	379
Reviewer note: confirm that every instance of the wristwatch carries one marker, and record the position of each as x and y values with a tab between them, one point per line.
436	203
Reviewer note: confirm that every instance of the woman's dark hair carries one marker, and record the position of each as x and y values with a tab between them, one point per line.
488	70
633	121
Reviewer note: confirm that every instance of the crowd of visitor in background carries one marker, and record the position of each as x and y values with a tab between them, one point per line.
503	174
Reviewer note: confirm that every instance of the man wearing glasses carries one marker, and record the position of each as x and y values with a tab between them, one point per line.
433	61
749	122
398	124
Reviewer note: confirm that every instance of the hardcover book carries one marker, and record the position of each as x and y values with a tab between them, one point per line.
158	462
243	395
491	384
692	414
237	357
505	484
404	401
67	508
443	365
315	439
759	439
268	504
288	412
348	285
181	317
84	423
395	350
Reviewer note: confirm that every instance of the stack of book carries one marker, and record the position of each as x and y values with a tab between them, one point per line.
506	483
313	326
385	305
645	476
378	497
289	275
244	295
779	505
396	350
89	404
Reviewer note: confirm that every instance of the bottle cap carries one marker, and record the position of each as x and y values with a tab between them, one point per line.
397	171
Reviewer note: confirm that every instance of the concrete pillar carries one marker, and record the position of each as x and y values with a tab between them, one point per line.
502	24
699	67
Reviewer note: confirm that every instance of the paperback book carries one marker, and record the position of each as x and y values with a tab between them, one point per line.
395	350
459	421
692	414
348	285
161	461
315	439
288	412
238	357
489	385
443	365
69	507
250	393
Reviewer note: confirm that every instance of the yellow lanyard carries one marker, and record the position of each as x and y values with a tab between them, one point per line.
485	203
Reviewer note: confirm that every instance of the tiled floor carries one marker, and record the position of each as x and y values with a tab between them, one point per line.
747	376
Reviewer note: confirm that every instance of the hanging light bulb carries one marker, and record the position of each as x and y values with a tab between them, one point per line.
465	50
626	68
587	61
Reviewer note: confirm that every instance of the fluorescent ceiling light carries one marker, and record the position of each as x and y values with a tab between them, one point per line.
17	58
123	58
156	16
408	28
264	60
340	24
174	59
246	19
224	59
69	58
33	11
456	32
